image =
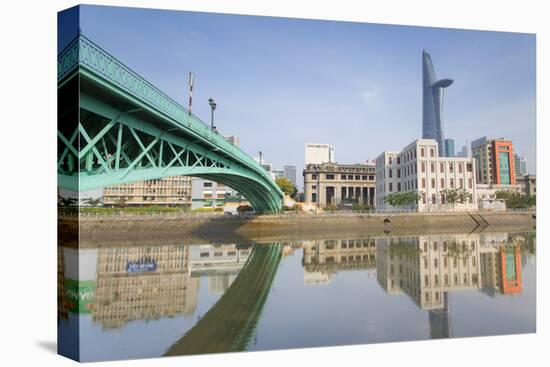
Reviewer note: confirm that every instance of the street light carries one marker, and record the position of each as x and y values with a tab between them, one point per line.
260	157
212	107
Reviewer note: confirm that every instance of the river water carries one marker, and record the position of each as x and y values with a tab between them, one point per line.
169	297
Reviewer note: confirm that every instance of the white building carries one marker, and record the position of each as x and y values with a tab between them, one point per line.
211	194
319	153
419	168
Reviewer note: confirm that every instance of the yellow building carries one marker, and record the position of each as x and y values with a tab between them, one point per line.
169	191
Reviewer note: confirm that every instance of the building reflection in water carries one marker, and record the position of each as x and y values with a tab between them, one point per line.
117	285
322	259
426	268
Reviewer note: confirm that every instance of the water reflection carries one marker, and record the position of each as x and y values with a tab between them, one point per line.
172	299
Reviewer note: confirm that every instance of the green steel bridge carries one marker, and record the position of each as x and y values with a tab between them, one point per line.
230	324
115	127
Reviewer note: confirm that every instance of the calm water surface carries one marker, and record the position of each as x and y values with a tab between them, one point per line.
172	298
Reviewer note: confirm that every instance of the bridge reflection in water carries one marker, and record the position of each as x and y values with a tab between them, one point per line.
116	296
230	323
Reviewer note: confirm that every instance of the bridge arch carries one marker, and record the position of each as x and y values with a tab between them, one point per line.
114	127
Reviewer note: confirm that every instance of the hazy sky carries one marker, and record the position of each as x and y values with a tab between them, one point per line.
280	83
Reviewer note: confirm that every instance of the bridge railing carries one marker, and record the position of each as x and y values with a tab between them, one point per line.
82	52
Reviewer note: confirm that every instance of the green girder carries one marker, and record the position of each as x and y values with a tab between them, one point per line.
127	130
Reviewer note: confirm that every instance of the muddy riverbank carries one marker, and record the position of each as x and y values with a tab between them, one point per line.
212	229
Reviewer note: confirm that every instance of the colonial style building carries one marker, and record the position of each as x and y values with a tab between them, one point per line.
338	184
419	168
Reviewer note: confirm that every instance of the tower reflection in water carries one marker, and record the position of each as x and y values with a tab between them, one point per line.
114	286
426	268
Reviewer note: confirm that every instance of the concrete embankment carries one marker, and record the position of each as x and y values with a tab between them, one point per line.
197	229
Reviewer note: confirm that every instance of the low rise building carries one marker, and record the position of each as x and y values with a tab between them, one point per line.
419	169
211	194
487	196
168	191
339	184
527	185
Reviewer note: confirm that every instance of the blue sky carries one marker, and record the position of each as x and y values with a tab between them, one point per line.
280	83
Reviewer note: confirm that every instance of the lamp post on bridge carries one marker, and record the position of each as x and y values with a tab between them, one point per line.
212	108
260	157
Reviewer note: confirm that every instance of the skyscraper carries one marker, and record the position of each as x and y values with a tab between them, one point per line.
290	173
450	147
432	103
520	166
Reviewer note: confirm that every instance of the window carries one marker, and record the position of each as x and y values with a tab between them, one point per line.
350	177
460	168
442	183
364	178
469	167
390	173
423	167
313	176
433	199
452	181
329	176
423	198
371	178
441	167
398	160
461	183
207	184
442	198
314	187
423	183
433	183
451	167
391	187
422	154
398	173
390	160
357	177
469	183
314	197
432	167
399	186
435	263
343	177
432	152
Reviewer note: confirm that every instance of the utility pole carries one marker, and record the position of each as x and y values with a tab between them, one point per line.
212	108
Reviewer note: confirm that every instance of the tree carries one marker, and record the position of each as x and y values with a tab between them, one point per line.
516	200
66	201
93	202
285	185
402	198
454	196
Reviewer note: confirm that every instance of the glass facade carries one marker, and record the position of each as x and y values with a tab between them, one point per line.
432	103
504	167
